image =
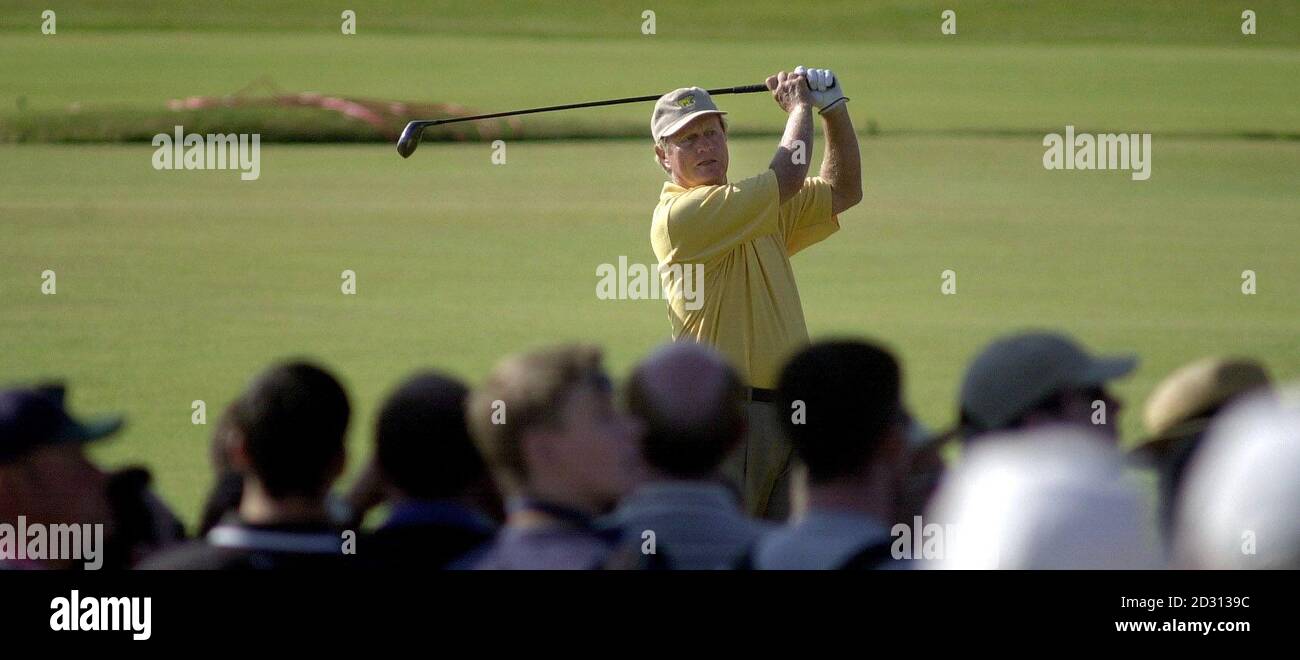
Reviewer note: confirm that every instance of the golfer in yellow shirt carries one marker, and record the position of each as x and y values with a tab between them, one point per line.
743	234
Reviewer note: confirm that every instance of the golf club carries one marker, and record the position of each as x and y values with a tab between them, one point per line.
411	134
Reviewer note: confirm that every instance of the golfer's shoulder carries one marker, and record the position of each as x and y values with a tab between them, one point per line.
740	195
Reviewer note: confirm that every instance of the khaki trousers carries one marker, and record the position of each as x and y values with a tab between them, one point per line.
760	468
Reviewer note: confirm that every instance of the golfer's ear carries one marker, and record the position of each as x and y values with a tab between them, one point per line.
661	157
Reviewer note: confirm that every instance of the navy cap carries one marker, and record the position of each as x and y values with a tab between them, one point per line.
35	417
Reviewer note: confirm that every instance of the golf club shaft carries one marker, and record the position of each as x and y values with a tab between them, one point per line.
743	89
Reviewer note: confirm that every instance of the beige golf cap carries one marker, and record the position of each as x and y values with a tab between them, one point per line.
1015	373
1185	401
677	108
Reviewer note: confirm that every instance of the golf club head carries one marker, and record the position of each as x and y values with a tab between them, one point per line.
410	139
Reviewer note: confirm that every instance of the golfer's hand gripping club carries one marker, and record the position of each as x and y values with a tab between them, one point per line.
826	91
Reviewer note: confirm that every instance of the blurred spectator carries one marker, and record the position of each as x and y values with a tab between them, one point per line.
442	499
692	405
46	478
841	406
288	443
143	523
1239	507
228	488
1178	412
561	454
1052	497
1033	379
925	469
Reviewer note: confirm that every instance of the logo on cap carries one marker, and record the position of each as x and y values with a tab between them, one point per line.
686	101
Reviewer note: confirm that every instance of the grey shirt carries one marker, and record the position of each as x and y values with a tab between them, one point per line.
823	539
559	546
697	525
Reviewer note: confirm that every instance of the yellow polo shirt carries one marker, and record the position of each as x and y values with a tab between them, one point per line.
743	236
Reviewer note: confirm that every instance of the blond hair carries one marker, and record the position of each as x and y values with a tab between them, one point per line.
525	392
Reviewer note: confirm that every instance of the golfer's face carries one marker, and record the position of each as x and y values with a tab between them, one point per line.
697	154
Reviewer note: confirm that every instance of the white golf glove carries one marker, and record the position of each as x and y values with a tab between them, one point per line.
826	92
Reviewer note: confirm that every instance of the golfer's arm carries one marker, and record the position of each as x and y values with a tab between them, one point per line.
791	161
842	164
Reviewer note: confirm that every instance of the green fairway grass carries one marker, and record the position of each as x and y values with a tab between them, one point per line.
1200	22
180	285
898	87
169	291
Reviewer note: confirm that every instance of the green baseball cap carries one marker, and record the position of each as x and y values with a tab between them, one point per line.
678	108
1015	373
35	417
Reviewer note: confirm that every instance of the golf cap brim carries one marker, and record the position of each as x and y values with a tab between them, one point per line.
1153	447
81	432
682	122
31	418
1105	369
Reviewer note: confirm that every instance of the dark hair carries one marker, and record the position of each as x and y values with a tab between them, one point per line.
421	441
684	448
850	396
293	419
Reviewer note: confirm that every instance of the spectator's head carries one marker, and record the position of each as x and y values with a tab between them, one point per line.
840	404
925	470
223	434
289	434
35	418
1240	504
1052	497
1181	407
692	405
422	443
1040	378
228	490
44	472
546	425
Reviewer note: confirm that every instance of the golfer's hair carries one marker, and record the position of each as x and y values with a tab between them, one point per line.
523	393
837	401
293	418
684	448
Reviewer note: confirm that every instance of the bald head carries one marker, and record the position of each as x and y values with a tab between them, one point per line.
684	381
692	404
